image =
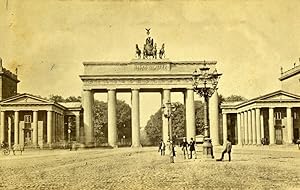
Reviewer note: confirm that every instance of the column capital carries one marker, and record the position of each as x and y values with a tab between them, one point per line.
135	89
111	89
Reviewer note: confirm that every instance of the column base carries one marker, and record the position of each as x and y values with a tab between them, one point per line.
136	146
114	146
89	145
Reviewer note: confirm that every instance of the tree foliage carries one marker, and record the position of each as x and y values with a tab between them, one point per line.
58	98
101	122
235	98
154	125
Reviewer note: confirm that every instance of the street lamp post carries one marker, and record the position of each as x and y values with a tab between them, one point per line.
168	108
205	84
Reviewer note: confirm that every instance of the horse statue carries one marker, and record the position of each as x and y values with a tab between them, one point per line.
138	51
149	49
162	51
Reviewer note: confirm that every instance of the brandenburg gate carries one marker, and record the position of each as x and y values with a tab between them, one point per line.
146	73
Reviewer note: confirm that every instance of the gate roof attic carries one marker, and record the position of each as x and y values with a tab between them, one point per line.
141	73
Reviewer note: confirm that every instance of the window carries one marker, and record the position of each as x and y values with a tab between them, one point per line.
278	115
27	118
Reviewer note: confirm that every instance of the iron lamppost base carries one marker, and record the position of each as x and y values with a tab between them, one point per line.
208	148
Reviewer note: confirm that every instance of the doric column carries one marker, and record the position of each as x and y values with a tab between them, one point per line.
190	114
88	101
166	97
53	127
77	123
262	128
225	135
9	131
242	128
16	129
253	126
289	125
214	118
249	127
49	127
35	129
135	118
62	127
239	128
2	129
112	117
257	125
271	126
246	127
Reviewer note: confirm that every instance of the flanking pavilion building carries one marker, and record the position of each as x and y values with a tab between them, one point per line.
273	118
33	121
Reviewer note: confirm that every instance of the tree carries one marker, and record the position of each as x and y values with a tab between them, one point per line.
56	98
199	117
235	98
153	128
101	122
73	99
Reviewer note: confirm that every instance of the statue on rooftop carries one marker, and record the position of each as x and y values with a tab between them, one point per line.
162	51
149	47
138	51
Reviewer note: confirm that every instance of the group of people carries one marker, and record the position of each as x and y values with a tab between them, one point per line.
189	149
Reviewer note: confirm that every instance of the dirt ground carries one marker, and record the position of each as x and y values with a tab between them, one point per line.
127	168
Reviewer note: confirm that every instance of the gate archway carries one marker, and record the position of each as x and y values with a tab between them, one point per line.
142	75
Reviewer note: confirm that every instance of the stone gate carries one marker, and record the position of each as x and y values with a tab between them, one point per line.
138	76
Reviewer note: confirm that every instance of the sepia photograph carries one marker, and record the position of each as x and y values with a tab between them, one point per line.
149	94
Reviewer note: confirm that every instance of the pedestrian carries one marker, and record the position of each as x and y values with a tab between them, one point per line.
227	149
162	148
184	147
192	148
172	148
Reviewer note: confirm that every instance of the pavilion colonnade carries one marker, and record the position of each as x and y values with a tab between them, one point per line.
256	123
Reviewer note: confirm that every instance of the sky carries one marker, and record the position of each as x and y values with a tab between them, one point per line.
48	40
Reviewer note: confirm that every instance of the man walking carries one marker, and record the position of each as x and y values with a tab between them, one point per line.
192	148
227	149
184	146
162	148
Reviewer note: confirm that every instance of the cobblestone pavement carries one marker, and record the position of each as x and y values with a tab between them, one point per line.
126	168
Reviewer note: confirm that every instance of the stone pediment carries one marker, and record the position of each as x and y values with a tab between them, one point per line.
279	95
26	99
